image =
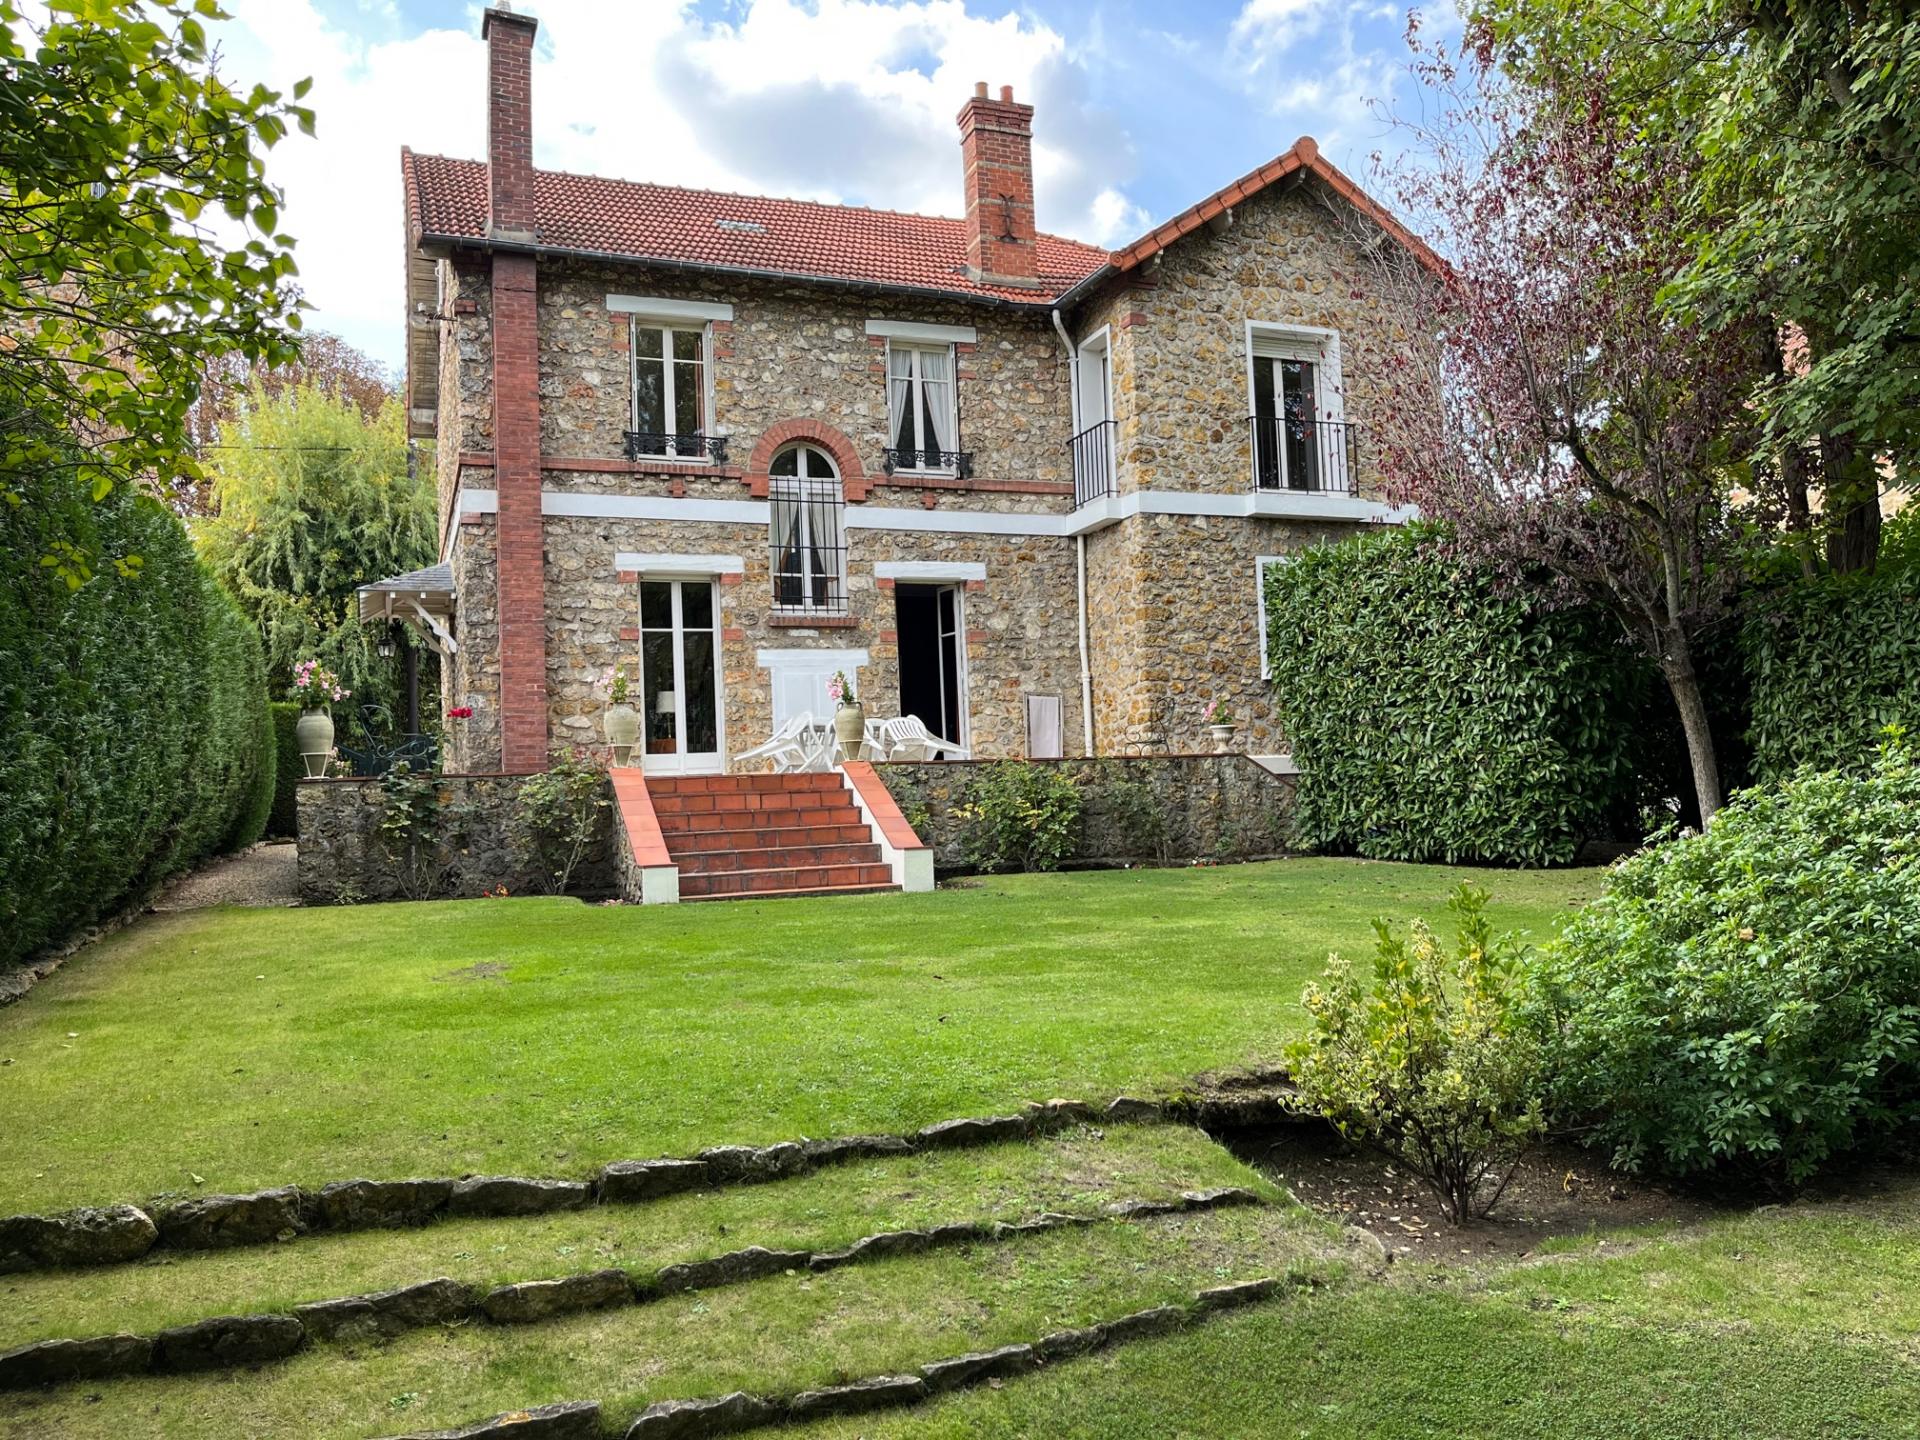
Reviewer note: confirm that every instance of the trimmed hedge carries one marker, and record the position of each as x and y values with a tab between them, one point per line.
134	709
1435	719
1829	662
287	768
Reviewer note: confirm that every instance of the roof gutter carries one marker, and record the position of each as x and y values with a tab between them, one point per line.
694	267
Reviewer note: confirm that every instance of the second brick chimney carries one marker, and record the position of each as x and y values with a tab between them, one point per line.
996	148
509	40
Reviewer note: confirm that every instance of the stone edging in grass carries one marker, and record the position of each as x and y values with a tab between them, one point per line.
116	1234
229	1340
731	1414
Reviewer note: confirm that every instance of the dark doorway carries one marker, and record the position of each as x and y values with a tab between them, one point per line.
932	668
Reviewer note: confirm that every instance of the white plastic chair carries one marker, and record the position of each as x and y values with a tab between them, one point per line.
792	747
905	738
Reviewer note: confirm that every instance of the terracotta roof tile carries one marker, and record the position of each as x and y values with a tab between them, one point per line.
447	198
749	232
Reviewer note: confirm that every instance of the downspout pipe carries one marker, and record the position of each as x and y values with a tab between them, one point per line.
1079	548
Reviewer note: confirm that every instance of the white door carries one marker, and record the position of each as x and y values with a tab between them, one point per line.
680	677
798	679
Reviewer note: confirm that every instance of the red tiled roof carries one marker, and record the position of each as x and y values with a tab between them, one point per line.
448	198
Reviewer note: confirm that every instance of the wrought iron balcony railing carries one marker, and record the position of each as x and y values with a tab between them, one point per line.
946	462
1093	472
1292	452
659	445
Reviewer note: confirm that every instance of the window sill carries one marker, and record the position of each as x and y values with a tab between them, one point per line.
788	621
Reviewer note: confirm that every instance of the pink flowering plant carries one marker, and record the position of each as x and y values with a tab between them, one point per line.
840	689
315	686
1216	714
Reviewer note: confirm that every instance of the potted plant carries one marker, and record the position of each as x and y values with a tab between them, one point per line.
849	717
1219	723
315	688
621	721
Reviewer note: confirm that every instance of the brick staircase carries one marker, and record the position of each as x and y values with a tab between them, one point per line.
738	835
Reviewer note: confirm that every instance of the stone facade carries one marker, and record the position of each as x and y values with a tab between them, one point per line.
342	861
1172	598
1211	807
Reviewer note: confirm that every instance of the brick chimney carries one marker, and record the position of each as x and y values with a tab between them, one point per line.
509	40
996	148
519	532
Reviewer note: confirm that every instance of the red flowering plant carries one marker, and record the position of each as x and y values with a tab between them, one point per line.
460	712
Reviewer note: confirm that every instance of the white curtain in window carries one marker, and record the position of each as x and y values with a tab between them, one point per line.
936	386
899	392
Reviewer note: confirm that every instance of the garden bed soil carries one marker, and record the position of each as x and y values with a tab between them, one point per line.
1557	1191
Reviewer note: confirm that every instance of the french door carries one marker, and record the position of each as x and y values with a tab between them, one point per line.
680	677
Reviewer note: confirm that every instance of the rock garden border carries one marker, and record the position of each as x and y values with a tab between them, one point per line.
731	1414
226	1341
121	1233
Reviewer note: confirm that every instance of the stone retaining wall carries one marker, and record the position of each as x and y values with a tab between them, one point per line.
479	849
1210	807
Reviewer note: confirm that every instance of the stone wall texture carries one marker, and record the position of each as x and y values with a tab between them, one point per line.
1173	600
1214	807
342	859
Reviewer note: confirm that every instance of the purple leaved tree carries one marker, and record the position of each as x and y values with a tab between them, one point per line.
1568	432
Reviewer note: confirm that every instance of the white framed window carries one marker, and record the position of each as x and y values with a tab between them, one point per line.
1300	436
922	417
668	418
807	533
1261	565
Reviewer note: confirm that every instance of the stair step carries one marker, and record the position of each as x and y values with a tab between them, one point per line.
762	880
697	899
720	802
758	837
674	822
797	857
762	784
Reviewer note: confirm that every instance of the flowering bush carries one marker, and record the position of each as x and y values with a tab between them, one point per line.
840	689
316	687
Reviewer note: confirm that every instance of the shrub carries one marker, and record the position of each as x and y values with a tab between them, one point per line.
288	769
1017	814
1749	999
414	831
1437	718
132	707
1433	1064
561	811
1829	662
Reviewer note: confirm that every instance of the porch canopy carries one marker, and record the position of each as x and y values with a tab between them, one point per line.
420	598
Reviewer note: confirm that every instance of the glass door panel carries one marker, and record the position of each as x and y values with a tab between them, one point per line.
679	676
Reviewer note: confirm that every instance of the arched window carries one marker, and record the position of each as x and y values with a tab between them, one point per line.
808	538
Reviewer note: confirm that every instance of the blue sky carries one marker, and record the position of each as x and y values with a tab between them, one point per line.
1141	109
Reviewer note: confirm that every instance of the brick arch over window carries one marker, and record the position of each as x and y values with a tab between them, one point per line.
853	476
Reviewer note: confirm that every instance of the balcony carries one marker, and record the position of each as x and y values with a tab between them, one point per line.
958	463
1093	472
659	445
1319	457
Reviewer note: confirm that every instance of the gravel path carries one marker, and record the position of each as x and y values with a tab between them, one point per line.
261	875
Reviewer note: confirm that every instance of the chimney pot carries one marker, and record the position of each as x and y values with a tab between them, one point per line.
980	89
1006	94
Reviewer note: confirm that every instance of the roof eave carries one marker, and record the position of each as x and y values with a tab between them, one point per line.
1040	304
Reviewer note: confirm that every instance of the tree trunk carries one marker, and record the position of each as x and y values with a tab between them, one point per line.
1676	664
1852	506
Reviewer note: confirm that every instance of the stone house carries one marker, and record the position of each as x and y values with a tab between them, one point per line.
1017	485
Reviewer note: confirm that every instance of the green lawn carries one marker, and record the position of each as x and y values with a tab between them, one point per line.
234	1049
1800	1324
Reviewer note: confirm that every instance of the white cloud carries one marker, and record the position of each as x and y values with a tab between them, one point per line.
845	100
